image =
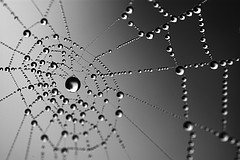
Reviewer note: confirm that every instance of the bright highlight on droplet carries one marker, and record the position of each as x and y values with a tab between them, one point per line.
72	84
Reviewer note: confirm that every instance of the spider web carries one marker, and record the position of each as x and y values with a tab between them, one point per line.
140	97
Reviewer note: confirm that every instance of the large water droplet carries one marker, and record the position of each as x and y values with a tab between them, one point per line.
73	84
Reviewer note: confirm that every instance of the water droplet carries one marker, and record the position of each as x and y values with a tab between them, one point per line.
188	126
189	13
42	62
129	10
56	36
124	16
214	65
31	87
69	117
140	33
64	151
48	74
106	100
39	98
169	49
64	133
197	10
60	46
44	21
173	19
27	58
193	135
119	113
167	36
44	137
149	35
82	114
39	42
47	108
73	106
85	133
53	100
165	26
130	23
223	136
93	76
27	33
60	111
202	30
27	111
85	105
190	150
65	100
179	70
157	30
101	117
75	138
81	121
72	84
54	91
120	95
182	17
53	65
46	50
34	123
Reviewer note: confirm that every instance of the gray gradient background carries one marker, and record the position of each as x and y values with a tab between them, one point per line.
86	20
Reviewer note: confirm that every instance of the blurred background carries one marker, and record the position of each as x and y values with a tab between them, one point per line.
87	19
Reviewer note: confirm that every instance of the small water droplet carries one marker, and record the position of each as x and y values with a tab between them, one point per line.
189	13
44	21
44	137
47	108
119	113
214	65
27	111
34	123
120	95
93	76
27	58
188	126
46	50
223	136
64	151
124	16
173	19
129	10
179	70
75	138
197	10
56	36
140	33
64	133
27	33
101	117
149	35
53	65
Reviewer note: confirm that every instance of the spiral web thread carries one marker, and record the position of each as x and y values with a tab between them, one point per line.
73	111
